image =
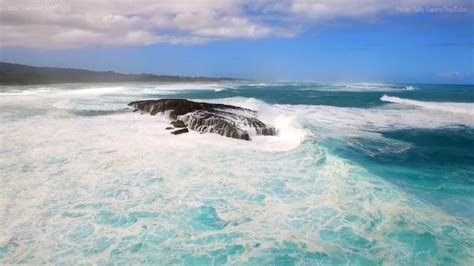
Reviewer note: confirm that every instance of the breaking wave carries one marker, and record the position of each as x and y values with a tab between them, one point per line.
459	108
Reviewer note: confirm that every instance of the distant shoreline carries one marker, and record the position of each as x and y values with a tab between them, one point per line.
17	74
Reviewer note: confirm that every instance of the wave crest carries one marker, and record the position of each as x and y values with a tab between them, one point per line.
459	108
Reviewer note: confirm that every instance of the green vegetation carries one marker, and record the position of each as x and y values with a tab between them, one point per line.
16	74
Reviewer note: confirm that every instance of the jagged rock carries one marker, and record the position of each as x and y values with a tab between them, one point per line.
178	123
180	131
226	120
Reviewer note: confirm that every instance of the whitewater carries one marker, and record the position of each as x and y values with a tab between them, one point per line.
365	174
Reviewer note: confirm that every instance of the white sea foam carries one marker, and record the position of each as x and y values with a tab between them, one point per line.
56	90
90	104
92	97
328	120
101	89
120	188
355	87
289	131
371	87
347	120
84	188
221	89
459	108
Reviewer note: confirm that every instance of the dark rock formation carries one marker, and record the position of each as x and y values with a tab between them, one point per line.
226	120
180	131
178	123
169	128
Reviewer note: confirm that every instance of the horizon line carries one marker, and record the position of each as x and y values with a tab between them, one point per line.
235	78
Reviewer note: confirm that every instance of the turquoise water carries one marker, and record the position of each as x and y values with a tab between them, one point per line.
362	174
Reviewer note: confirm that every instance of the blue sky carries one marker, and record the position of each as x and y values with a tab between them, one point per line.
389	43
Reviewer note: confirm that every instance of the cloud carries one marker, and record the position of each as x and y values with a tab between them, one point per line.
69	24
318	9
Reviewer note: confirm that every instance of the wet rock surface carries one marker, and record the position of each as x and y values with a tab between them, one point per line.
180	131
226	120
178	123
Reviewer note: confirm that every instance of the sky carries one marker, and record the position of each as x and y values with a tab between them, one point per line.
413	41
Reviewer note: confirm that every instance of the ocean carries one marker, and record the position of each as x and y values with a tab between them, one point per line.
359	173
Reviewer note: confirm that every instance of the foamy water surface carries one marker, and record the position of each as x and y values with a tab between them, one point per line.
86	180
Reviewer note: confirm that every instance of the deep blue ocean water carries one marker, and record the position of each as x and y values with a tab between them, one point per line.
362	174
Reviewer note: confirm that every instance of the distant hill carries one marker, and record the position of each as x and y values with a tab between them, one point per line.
16	74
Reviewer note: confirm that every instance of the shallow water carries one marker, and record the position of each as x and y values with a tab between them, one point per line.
352	177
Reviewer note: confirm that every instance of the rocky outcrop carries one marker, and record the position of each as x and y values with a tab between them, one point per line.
226	120
178	123
180	131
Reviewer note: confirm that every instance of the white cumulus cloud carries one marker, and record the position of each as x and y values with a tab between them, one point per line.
80	23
